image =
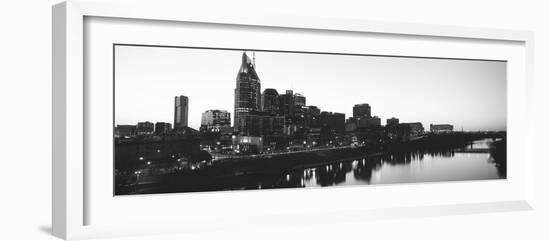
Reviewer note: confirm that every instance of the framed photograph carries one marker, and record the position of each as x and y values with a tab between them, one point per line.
180	121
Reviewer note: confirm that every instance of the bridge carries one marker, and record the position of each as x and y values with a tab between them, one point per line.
472	134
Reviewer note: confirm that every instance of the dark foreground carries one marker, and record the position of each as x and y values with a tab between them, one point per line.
337	166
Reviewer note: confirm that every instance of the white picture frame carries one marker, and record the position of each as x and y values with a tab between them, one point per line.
71	191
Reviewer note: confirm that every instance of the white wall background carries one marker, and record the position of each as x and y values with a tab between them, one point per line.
25	163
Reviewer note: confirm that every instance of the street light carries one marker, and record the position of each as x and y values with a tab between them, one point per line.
137	173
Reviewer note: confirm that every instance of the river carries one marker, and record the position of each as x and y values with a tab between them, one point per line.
472	162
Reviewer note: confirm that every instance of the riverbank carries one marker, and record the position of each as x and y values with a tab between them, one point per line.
251	171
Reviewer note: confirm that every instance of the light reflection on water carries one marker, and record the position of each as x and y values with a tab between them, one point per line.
450	165
482	144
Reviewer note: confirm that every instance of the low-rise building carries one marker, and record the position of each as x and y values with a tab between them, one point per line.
162	128
247	144
145	128
216	119
411	129
441	128
392	121
125	131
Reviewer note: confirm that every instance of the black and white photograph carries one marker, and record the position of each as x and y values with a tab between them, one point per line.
193	119
275	120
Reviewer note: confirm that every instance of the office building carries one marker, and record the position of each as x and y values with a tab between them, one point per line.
361	110
411	129
145	128
247	91
335	121
162	128
216	118
181	111
311	116
125	131
351	124
392	121
441	128
287	104
366	122
270	101
392	128
257	123
299	100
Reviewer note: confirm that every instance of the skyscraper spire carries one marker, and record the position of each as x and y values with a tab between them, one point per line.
247	91
254	59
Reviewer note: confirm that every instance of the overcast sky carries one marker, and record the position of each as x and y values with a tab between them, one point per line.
470	95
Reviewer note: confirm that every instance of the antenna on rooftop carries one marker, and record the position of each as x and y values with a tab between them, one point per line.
254	59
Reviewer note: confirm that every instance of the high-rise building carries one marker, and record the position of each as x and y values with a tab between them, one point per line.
290	102
247	92
257	123
270	101
216	118
181	111
361	110
287	104
162	128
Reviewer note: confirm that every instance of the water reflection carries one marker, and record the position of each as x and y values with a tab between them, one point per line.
404	167
363	168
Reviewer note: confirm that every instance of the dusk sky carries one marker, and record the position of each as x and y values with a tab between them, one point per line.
470	95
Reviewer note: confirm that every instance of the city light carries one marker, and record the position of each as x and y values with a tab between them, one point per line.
270	129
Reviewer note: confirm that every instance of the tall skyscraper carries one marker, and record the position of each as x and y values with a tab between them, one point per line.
181	111
361	110
247	92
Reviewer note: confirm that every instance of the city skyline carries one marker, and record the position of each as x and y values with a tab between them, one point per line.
181	71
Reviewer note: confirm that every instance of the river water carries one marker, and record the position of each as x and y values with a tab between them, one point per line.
472	162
